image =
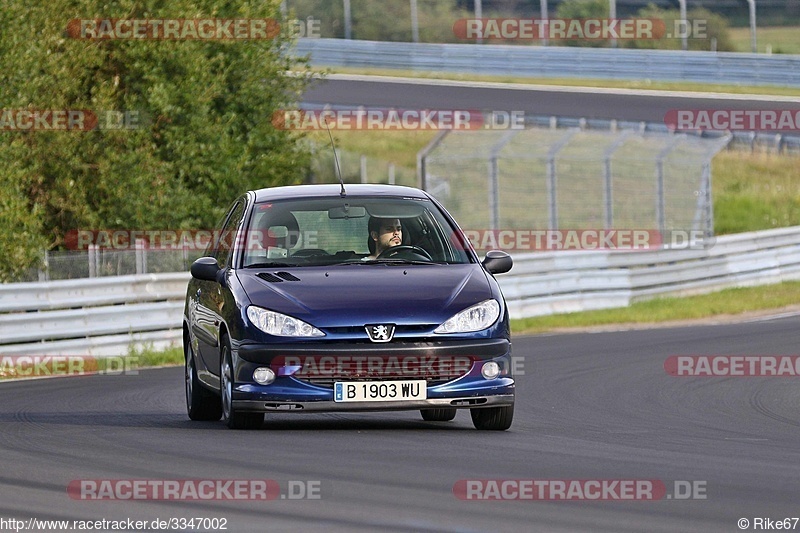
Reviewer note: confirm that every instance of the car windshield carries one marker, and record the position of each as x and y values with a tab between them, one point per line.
350	231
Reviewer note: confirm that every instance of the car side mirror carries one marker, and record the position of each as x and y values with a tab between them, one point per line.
206	269
497	262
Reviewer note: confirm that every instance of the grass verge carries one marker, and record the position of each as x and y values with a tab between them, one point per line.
43	366
149	357
781	39
727	302
754	191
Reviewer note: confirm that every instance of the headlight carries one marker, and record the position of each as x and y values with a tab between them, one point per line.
474	318
280	324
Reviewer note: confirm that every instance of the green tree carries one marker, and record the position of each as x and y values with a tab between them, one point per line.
22	238
205	109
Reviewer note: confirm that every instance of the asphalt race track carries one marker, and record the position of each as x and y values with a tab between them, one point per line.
617	104
590	407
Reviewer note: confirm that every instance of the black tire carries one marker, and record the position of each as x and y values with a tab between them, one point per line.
493	418
438	415
201	403
233	418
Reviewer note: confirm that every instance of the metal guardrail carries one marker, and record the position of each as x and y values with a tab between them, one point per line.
104	316
564	282
92	316
557	62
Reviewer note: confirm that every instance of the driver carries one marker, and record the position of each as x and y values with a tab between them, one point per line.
385	233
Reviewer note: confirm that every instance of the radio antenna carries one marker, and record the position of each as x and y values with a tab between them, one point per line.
342	193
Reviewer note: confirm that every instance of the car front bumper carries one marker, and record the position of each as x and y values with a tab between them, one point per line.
287	393
329	406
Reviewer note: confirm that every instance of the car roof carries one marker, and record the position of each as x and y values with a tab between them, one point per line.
333	190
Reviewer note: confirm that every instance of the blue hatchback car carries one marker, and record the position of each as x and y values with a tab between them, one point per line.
317	298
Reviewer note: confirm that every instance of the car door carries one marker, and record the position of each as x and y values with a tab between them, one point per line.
210	295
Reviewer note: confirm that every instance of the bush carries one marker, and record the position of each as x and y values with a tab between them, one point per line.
583	9
716	28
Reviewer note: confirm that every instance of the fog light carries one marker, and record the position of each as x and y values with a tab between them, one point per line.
490	370
264	376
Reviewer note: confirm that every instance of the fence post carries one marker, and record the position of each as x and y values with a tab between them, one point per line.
543	16
44	275
422	156
494	179
414	22
141	256
391	174
707	207
661	216
479	15
348	21
92	258
609	188
552	192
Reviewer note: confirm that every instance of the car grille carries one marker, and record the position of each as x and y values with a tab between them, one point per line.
327	383
324	371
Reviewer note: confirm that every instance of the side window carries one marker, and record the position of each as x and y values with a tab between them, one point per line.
227	235
213	242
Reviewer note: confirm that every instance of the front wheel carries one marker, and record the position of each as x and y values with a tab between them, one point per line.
233	418
201	404
493	418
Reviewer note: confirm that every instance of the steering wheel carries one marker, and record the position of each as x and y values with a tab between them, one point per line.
394	250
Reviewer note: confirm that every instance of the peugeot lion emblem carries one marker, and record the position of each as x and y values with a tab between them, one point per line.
380	332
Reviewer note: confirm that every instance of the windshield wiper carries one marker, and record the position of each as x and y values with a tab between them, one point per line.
389	262
270	264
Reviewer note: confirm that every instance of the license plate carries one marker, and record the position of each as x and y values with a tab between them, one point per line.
379	391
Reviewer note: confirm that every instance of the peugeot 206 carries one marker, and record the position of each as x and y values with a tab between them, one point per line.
313	298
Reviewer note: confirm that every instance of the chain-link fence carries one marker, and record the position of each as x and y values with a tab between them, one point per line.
554	175
357	168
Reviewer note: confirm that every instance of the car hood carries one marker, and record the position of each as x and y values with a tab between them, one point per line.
353	295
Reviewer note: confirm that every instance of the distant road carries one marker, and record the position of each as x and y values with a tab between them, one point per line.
620	104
